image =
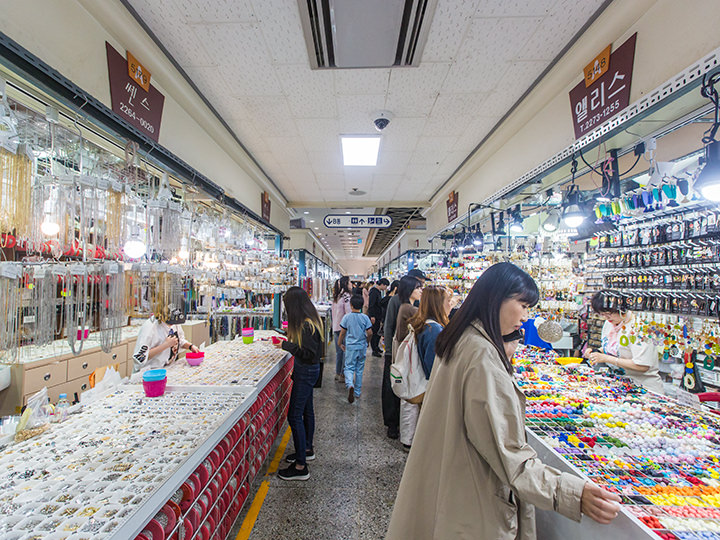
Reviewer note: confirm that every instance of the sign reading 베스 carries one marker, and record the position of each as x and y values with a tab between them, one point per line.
364	221
452	206
608	94
265	204
137	106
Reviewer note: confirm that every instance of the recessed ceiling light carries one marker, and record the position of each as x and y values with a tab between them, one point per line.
306	212
312	221
348	212
316	228
360	150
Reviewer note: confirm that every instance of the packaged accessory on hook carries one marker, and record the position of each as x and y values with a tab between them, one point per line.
111	308
10	311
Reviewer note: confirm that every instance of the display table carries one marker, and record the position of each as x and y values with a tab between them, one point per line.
661	457
128	466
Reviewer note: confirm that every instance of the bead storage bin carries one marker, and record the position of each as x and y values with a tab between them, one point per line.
662	458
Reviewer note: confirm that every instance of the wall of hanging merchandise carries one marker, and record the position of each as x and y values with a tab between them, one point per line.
658	455
73	214
665	267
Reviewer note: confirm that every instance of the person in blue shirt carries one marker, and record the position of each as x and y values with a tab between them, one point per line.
355	333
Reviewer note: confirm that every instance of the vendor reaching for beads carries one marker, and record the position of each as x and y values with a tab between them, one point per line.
623	346
158	344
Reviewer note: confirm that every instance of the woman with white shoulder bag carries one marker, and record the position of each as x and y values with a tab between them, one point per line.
427	323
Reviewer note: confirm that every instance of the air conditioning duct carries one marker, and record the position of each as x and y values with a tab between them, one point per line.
367	33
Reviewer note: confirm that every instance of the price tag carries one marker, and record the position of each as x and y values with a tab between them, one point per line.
59	270
688	399
39	272
10	270
112	268
78	269
28	319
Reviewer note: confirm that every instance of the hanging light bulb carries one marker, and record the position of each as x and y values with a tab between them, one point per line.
552	222
134	248
573	214
708	181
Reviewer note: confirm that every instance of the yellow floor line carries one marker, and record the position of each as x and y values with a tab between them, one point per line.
251	517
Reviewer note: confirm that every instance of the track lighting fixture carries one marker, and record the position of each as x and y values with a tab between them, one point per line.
552	221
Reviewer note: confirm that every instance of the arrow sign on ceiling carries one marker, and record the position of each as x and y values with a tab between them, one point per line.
363	221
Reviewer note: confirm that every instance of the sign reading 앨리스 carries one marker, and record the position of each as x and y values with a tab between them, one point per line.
137	106
608	92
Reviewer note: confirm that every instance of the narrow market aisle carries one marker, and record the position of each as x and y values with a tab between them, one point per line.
353	480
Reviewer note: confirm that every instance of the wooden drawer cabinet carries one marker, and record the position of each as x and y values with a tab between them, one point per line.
48	375
84	365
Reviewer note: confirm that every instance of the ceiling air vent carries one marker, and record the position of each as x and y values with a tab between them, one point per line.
367	33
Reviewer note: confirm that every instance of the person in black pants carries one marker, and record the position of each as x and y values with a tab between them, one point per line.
375	312
304	342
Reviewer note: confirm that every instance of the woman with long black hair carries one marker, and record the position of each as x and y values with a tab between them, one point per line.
304	342
340	307
471	472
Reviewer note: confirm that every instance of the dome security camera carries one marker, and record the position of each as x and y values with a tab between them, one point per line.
381	119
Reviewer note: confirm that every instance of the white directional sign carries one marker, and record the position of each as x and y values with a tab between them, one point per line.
362	221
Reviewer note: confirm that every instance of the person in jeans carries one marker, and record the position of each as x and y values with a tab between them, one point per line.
375	312
390	402
355	332
304	342
340	307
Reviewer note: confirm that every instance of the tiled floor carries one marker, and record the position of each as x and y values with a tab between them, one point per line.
353	480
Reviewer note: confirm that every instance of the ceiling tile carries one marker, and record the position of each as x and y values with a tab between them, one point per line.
310	93
272	115
555	31
452	113
393	162
239	48
217	11
402	134
327	162
425	79
287	149
358	110
514	8
280	25
178	38
362	81
414	105
447	30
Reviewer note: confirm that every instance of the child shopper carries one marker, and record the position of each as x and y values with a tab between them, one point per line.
355	333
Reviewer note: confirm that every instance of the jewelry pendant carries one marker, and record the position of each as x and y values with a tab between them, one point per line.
624	341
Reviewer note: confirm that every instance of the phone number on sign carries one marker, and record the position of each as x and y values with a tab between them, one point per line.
600	116
131	114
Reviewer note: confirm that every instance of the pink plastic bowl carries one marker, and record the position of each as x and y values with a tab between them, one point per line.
155	388
277	339
195	359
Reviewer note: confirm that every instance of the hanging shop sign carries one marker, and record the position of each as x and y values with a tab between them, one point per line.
265	204
609	91
139	107
334	221
452	206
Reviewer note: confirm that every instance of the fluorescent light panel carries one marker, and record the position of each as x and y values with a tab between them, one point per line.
360	150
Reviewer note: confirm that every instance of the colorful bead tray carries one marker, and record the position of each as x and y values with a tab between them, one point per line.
660	456
229	363
88	475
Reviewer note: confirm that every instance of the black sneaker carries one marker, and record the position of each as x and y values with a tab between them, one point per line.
377	354
291	473
393	433
292	458
351	395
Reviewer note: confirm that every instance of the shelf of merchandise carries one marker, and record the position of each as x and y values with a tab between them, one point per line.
659	455
251	421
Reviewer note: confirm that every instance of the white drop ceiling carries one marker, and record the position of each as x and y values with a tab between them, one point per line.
249	59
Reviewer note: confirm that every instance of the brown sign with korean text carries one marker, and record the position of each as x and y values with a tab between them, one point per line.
265	203
452	206
143	109
608	95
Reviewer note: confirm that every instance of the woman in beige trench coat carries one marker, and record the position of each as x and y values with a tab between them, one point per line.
471	474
